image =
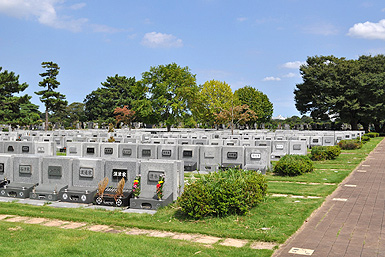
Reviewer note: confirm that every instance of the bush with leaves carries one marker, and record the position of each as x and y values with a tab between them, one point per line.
321	153
293	165
223	193
372	134
350	144
365	139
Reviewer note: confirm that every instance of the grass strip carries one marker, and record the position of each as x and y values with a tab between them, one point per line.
18	239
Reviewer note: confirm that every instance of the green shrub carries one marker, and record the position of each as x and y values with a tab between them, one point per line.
223	193
350	144
332	152
318	153
365	139
5	130
372	134
293	165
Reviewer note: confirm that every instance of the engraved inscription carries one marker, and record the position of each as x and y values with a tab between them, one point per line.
86	172
25	169
119	174
40	150
1	168
154	175
108	150
55	171
232	155
315	140
255	156
72	150
279	147
90	150
166	153
10	148
209	154
297	147
126	152
187	153
25	149
146	152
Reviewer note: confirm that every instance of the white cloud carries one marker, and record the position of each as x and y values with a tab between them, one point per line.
45	12
323	28
368	30
271	79
241	19
290	75
160	40
77	6
293	65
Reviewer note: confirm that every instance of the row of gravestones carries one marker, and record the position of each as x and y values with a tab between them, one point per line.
141	136
196	157
76	179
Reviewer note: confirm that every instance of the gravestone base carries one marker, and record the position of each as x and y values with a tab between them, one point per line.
108	198
17	190
190	166
77	195
149	203
47	192
231	166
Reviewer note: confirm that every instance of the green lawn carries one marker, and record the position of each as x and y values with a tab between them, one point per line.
281	216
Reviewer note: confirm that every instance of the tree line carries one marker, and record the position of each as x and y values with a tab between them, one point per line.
166	95
350	91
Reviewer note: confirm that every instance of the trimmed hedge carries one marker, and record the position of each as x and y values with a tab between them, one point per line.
372	134
321	153
350	144
223	193
293	165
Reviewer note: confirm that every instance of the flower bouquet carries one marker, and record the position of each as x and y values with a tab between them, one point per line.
136	187
159	187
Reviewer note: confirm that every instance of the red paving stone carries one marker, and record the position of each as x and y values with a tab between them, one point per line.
352	228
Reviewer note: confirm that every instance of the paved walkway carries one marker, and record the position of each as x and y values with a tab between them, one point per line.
351	222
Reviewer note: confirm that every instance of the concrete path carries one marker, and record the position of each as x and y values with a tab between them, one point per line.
351	222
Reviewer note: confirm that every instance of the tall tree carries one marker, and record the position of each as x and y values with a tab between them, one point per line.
257	101
172	92
54	101
214	97
117	91
330	89
10	104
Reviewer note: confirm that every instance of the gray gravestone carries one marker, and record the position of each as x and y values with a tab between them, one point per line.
233	156
147	151
257	158
210	158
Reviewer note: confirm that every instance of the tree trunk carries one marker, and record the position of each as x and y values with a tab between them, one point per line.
46	120
168	128
354	124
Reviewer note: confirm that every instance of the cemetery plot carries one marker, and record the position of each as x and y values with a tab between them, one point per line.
56	177
26	176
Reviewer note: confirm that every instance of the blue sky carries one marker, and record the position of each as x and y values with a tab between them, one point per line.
255	43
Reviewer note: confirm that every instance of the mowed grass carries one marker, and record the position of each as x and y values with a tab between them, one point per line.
33	240
279	215
273	220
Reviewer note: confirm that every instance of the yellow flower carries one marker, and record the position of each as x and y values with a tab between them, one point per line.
161	182
136	180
